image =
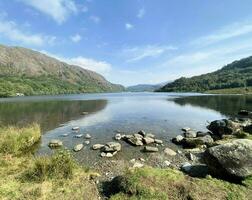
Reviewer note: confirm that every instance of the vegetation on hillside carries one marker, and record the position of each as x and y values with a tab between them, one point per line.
235	75
33	73
162	184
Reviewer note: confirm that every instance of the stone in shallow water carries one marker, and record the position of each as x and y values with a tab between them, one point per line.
118	136
87	142
135	141
87	136
55	143
97	146
170	152
148	140
190	134
78	147
112	147
178	139
76	128
142	133
150	149
64	135
78	136
150	135
158	141
186	129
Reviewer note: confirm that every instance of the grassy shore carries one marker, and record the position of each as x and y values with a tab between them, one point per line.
24	176
247	90
162	184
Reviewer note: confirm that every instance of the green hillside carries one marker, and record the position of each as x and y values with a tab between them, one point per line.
32	73
235	75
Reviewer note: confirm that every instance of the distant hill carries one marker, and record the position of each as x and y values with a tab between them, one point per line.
32	73
235	75
144	87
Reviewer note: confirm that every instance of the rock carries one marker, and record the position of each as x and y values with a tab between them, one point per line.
87	142
150	135
179	152
78	147
103	154
244	112
142	160
190	134
148	140
170	152
64	135
186	129
118	136
150	149
132	160
138	165
248	129
202	134
158	141
199	170
84	113
167	163
223	127
138	135
112	147
127	137
231	160
142	133
78	136
97	146
87	136
54	143
76	128
196	142
190	156
178	139
135	141
186	167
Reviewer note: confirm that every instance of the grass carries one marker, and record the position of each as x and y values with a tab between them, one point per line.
15	140
162	184
24	176
243	90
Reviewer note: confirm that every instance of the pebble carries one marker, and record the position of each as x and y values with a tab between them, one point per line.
87	142
87	136
76	128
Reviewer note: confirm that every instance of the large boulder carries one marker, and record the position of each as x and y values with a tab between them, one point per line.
195	142
223	127
231	160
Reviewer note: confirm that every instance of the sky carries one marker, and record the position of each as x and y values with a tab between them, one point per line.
132	41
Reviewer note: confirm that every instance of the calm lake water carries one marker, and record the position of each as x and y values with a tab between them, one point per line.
163	114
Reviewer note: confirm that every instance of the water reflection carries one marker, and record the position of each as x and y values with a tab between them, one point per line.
49	114
228	105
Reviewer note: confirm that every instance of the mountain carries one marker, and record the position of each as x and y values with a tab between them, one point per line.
144	87
238	74
32	73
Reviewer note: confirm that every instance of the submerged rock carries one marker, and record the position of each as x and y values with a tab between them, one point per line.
186	129
54	143
178	139
135	141
78	136
230	160
78	147
87	142
158	141
150	149
97	146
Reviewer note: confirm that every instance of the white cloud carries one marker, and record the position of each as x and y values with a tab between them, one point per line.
101	67
59	10
227	32
129	26
139	53
141	13
95	19
76	38
10	30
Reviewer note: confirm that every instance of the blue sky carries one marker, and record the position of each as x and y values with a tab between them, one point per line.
132	41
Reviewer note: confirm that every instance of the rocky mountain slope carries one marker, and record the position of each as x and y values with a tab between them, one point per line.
32	73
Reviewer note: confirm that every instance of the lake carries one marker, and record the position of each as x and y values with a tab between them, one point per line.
163	114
